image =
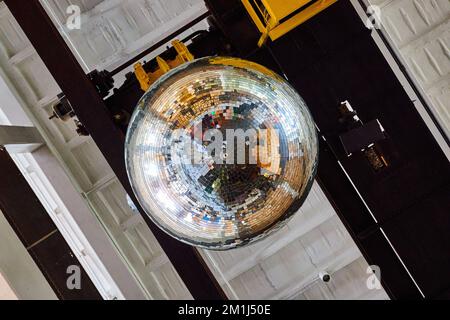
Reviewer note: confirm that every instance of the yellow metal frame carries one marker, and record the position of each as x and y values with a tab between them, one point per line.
147	79
274	11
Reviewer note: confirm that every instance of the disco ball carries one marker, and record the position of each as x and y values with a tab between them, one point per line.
221	152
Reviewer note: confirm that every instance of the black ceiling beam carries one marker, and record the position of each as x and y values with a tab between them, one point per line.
92	112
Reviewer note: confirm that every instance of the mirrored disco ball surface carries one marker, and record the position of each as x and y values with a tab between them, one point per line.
221	152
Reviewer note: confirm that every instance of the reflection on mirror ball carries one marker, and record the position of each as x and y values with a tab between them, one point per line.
221	152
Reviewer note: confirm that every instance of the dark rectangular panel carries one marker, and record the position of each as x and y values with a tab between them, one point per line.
24	212
360	138
394	278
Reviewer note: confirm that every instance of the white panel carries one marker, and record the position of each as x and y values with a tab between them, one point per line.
14	40
88	157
